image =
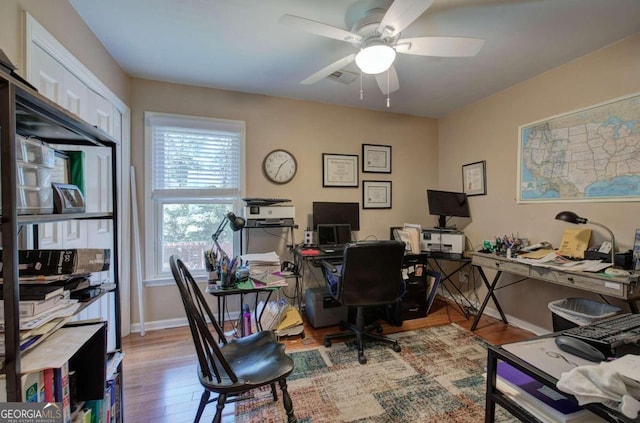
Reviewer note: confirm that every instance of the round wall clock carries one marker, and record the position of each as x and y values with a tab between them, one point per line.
279	166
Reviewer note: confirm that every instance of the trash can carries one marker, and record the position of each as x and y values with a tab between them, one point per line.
571	312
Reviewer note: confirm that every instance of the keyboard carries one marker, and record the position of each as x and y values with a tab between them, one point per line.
334	249
608	334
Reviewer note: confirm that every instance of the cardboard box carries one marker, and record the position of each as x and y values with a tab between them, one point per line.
63	262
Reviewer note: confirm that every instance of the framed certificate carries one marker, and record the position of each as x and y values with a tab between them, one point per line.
376	194
474	179
339	170
376	158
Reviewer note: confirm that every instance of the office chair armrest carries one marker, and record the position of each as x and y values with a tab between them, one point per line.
329	266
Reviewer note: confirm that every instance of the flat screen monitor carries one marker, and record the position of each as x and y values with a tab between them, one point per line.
445	204
333	213
333	235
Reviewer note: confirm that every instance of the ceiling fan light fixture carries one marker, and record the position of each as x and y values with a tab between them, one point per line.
375	59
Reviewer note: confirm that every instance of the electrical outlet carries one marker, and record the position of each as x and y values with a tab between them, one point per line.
463	277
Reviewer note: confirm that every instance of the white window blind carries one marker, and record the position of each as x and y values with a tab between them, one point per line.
195	176
196	154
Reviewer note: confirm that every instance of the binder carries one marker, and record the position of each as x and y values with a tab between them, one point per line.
547	403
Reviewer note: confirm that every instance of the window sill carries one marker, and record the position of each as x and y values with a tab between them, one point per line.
165	281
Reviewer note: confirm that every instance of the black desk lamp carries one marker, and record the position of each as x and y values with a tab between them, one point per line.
236	223
571	217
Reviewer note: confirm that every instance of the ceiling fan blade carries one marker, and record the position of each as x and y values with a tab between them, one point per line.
393	82
319	28
401	14
328	70
440	46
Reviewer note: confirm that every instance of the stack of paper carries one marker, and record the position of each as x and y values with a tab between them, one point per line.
271	314
267	279
410	235
291	324
262	262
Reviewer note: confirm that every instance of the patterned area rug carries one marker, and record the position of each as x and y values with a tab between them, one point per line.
437	377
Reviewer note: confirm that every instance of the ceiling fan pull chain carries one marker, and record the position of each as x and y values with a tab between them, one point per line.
361	91
388	100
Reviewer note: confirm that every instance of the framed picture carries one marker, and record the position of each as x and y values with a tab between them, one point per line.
376	158
67	198
376	194
474	178
554	164
339	170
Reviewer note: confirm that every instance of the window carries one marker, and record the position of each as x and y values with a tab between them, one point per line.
195	176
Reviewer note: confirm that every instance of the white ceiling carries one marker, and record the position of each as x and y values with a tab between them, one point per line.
239	45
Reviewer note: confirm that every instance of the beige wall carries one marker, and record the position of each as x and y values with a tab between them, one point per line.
61	20
307	130
422	157
488	130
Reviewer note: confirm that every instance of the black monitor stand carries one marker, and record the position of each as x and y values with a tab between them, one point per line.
442	225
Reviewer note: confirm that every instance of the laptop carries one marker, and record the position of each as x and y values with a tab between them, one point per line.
333	238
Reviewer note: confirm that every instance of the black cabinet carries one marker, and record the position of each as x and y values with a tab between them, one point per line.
414	300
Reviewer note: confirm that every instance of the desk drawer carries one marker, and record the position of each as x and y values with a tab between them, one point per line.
414	304
611	287
502	264
543	274
413	282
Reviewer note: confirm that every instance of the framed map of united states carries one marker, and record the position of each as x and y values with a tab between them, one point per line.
591	154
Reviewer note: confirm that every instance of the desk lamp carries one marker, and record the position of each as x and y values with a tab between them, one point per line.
236	223
571	217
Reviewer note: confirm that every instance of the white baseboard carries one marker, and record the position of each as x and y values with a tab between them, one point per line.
175	323
514	321
172	323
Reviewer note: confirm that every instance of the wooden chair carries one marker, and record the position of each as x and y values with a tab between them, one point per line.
230	368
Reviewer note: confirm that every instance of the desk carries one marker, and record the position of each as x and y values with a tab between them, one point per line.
616	287
422	258
222	294
494	396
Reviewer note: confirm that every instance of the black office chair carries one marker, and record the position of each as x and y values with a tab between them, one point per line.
370	275
230	368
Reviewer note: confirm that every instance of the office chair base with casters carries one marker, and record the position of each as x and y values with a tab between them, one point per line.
361	332
370	275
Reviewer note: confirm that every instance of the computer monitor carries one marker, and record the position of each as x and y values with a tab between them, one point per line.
334	213
446	204
333	235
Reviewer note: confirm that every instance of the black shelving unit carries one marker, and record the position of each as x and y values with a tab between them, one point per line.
23	111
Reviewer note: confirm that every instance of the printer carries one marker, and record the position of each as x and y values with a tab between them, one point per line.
269	215
442	241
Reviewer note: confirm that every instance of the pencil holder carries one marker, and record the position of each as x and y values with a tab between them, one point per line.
228	280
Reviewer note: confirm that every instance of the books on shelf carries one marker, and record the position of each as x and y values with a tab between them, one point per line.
63	262
32	308
64	308
61	391
37	292
545	403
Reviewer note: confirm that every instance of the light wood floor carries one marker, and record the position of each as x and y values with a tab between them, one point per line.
160	383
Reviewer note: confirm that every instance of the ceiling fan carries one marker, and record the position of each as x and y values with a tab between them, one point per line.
377	35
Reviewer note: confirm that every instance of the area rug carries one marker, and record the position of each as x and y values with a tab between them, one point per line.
437	377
